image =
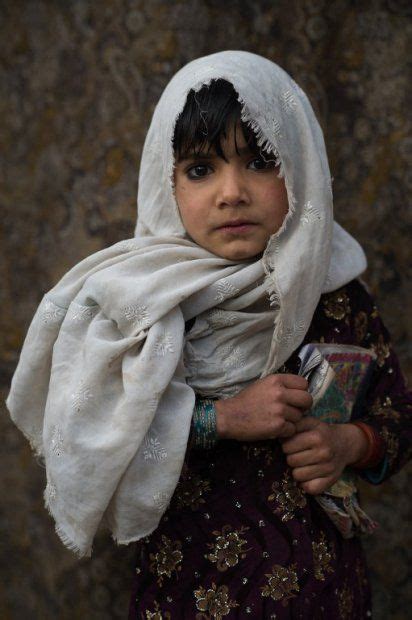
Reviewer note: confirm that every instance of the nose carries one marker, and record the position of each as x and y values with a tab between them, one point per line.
232	190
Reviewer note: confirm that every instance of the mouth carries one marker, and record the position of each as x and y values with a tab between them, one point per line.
237	226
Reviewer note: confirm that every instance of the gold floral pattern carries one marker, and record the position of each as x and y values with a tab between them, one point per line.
157	614
167	559
282	583
190	491
382	350
374	313
214	602
259	451
227	548
360	326
322	557
336	305
288	496
383	408
345	603
392	445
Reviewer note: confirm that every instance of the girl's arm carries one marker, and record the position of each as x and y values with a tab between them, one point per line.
269	408
388	403
387	411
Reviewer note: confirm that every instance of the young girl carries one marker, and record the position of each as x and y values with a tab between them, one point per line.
159	377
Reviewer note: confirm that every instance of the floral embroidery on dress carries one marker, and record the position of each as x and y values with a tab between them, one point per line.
167	559
152	448
345	603
80	397
384	409
336	305
375	313
259	451
361	326
282	583
164	345
189	492
391	443
214	602
288	497
51	313
224	290
157	614
57	441
227	549
322	557
382	350
137	315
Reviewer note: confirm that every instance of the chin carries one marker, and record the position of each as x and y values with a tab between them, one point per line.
242	254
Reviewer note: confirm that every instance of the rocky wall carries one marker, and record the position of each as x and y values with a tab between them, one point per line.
79	81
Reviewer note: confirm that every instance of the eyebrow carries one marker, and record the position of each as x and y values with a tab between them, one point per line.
202	155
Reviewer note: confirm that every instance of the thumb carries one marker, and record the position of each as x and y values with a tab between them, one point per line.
307	423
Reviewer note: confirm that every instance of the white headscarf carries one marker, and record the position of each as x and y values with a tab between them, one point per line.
105	386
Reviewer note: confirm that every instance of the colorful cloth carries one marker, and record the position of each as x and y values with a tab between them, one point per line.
241	540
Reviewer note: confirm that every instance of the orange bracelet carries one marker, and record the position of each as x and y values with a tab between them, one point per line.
376	447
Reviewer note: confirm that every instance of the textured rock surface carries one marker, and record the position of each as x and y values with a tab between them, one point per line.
79	81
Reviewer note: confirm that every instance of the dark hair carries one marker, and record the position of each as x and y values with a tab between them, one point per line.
207	117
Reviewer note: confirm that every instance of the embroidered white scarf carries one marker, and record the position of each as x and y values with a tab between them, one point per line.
105	386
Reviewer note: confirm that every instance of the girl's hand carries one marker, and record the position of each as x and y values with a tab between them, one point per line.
319	452
267	409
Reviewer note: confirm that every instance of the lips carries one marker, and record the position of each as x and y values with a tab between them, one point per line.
236	224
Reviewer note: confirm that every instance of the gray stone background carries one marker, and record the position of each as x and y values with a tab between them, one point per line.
79	80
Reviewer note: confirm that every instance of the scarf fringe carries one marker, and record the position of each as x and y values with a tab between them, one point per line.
68	542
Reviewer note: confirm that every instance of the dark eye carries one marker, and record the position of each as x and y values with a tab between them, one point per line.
197	172
260	164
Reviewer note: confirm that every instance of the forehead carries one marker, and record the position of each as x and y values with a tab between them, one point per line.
232	143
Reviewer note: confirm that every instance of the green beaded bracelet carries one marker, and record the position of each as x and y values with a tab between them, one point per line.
204	424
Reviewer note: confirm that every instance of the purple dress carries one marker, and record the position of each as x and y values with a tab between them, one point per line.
241	540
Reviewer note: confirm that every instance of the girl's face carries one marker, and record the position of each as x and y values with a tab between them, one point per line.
230	206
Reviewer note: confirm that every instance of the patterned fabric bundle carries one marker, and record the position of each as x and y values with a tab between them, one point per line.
102	390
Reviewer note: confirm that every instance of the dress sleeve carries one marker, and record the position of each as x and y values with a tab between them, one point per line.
388	403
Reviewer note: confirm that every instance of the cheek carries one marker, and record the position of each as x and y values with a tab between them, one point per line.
188	207
276	199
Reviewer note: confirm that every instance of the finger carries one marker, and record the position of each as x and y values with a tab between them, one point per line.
288	430
302	459
299	442
310	472
299	398
317	486
292	414
294	382
307	423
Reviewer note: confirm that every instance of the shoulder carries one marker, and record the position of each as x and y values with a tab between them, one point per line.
346	315
346	302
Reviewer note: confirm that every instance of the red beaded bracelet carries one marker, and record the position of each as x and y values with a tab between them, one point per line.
376	447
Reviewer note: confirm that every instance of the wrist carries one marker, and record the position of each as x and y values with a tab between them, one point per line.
204	427
375	450
221	418
357	443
